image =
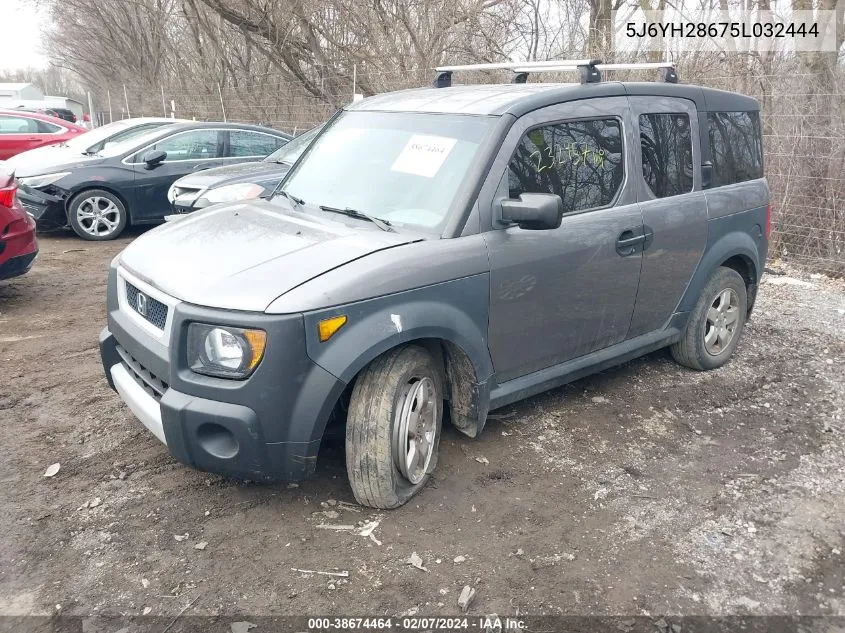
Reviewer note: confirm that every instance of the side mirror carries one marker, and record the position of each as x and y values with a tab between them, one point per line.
154	158
534	211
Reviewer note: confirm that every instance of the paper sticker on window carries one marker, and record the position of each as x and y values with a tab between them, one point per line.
424	155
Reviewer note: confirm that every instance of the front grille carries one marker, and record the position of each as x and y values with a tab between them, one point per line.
149	382
151	309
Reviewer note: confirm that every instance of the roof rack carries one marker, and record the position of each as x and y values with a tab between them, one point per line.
589	69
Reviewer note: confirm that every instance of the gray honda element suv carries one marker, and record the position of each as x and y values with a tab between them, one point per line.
436	253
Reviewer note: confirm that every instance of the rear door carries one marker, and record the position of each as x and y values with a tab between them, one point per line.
559	294
187	151
668	184
19	133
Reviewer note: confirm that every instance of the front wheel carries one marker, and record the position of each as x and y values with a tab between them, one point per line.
97	214
715	324
393	427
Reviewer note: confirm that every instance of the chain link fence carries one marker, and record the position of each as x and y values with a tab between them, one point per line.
803	135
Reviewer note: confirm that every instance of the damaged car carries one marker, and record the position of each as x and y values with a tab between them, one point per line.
436	254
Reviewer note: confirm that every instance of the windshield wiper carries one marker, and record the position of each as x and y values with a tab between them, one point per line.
384	225
297	202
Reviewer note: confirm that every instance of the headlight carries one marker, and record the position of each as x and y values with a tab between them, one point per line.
37	182
230	193
223	351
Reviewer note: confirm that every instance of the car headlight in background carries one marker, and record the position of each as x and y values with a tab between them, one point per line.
224	351
229	193
36	182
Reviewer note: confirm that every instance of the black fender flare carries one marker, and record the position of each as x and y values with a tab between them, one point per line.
454	313
735	243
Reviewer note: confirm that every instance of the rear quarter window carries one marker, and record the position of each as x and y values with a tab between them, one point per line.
736	148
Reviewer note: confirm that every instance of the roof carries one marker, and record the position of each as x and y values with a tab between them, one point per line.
180	125
14	87
27	114
518	99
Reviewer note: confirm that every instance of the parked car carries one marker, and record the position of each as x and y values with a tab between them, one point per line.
65	114
18	246
237	182
471	245
45	110
126	183
87	144
21	130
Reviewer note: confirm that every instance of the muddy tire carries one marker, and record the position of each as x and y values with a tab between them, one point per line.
97	215
715	324
393	427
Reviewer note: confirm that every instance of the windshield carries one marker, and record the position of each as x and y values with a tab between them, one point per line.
289	152
146	135
401	167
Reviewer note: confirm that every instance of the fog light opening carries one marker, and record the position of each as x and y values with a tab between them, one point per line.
217	440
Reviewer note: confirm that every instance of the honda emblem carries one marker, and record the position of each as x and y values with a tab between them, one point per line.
141	304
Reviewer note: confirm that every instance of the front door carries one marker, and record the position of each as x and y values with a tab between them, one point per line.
187	152
559	294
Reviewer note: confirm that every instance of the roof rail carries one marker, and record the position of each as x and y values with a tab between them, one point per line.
589	69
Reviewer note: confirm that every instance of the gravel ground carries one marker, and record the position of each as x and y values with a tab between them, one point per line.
646	489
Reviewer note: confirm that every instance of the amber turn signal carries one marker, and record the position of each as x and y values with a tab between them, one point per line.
328	327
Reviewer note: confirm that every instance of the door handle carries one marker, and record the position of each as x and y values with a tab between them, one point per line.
627	242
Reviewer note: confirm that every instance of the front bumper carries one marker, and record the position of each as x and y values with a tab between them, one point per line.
265	428
48	210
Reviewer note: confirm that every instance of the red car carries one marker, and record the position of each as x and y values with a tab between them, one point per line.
20	131
18	247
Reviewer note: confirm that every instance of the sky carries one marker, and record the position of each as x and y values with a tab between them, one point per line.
21	47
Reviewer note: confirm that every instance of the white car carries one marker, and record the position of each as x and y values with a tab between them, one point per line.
90	143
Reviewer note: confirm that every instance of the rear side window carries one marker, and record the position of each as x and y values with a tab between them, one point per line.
244	143
581	161
18	125
666	147
46	128
736	149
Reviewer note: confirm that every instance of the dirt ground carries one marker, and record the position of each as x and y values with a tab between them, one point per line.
647	489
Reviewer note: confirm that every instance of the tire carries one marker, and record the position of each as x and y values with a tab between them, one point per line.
708	341
387	392
97	215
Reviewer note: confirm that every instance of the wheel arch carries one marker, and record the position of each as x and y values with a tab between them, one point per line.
103	187
449	320
736	250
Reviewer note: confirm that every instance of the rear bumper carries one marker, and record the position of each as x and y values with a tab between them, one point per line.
15	266
18	247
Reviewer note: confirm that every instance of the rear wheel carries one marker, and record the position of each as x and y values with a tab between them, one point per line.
97	214
715	324
393	427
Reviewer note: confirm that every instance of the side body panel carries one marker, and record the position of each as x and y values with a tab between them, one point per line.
736	229
454	311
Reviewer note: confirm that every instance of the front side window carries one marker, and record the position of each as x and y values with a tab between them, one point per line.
581	161
194	145
18	125
666	147
244	143
736	148
404	167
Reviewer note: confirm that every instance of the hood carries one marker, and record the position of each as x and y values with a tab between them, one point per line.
233	174
243	256
60	159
